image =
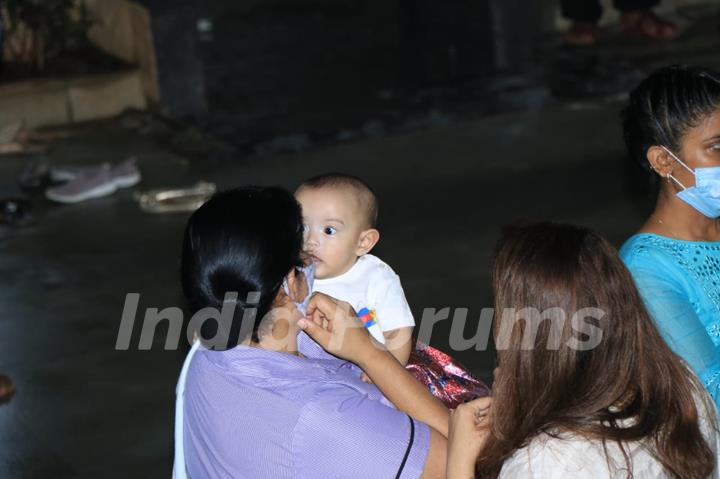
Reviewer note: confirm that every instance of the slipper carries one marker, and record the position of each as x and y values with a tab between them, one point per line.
86	183
647	24
87	186
176	200
124	174
62	174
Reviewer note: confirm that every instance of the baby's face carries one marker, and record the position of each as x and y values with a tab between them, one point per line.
333	225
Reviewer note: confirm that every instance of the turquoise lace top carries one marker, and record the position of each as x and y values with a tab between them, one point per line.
680	284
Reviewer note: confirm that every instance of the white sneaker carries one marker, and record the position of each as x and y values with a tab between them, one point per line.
126	174
93	184
59	174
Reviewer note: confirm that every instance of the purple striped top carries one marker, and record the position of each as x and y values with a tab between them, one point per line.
254	413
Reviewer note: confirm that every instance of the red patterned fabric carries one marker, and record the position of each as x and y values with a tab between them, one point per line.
446	378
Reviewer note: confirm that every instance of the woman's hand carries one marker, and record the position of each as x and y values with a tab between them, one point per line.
469	428
334	325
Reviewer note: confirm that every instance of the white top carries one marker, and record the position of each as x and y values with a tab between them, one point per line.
579	458
372	284
179	470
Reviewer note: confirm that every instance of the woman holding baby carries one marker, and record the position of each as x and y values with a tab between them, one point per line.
602	389
259	408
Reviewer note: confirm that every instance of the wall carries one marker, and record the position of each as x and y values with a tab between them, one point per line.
283	65
123	29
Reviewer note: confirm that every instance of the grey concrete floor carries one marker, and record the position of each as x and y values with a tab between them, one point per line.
84	409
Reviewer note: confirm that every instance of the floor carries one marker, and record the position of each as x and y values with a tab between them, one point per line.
85	409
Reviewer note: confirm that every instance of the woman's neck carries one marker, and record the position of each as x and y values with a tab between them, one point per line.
281	337
676	219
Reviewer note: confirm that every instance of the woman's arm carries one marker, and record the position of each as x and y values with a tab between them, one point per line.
335	327
403	390
680	325
399	343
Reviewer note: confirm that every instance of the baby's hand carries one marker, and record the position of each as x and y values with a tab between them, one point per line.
366	379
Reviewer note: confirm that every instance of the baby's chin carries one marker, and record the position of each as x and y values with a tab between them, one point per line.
321	273
321	269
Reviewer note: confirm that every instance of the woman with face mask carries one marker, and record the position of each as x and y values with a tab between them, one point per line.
672	129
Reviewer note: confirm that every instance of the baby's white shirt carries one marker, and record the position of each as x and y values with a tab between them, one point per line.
372	284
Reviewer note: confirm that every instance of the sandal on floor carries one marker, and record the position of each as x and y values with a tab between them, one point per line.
581	34
647	24
176	200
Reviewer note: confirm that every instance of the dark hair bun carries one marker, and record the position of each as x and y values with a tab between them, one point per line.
241	241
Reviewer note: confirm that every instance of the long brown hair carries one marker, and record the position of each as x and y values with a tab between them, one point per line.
629	387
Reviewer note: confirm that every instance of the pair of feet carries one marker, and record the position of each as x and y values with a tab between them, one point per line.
643	24
7	388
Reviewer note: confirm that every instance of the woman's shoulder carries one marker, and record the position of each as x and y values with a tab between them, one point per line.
650	255
246	370
647	251
553	456
645	247
566	455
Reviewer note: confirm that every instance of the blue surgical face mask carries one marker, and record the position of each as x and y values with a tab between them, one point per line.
705	195
309	273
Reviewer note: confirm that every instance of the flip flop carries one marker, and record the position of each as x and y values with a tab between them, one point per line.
176	200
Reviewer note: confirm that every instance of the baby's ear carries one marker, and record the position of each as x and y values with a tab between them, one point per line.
368	240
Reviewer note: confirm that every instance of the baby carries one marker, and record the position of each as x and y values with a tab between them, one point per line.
340	214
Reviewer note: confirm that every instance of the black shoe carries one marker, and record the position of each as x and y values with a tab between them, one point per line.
36	176
15	212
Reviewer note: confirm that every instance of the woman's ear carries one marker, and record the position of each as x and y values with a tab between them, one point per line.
660	161
296	285
368	240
